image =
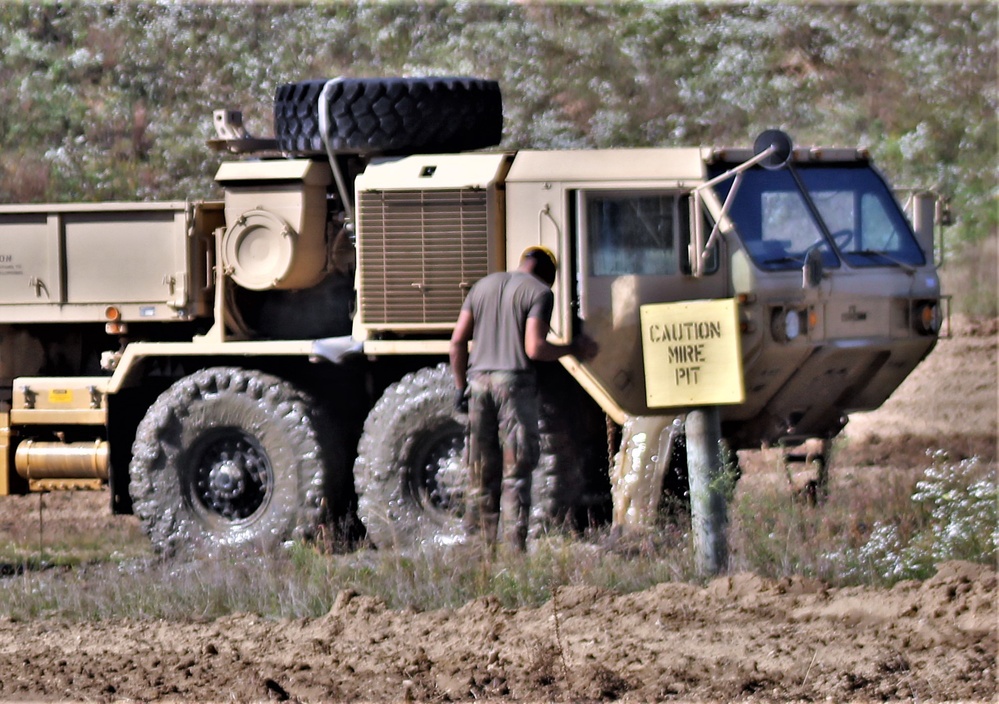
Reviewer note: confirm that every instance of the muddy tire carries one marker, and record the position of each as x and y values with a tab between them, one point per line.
228	457
571	487
674	500
389	115
410	474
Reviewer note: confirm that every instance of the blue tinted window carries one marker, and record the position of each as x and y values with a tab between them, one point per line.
777	227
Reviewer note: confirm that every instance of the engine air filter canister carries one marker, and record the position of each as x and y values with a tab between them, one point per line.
262	251
276	215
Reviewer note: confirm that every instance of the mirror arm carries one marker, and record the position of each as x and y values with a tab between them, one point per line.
703	248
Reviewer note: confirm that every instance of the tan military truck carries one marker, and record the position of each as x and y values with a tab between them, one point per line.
248	369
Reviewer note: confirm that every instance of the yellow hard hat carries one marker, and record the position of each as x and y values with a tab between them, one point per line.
544	265
540	249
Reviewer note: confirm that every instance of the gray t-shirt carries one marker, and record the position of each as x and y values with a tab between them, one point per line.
500	305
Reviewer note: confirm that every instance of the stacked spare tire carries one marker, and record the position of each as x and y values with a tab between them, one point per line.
349	121
389	116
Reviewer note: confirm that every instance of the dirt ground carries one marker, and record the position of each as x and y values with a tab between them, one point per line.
740	637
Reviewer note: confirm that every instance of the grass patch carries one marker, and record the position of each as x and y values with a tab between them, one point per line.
304	580
876	528
65	529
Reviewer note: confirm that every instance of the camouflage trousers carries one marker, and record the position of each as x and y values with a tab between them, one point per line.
503	449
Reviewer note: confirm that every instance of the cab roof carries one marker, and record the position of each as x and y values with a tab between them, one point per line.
608	165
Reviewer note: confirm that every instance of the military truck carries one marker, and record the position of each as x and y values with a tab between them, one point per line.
254	368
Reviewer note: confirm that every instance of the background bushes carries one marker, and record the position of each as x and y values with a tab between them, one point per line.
114	100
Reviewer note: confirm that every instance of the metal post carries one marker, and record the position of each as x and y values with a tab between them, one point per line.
705	471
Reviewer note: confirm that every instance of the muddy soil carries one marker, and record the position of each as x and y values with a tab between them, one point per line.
739	637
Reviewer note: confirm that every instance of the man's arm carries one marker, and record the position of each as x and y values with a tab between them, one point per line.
458	352
539	349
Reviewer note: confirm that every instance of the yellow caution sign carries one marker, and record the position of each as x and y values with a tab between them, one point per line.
693	353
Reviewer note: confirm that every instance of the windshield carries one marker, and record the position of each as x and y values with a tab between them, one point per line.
778	228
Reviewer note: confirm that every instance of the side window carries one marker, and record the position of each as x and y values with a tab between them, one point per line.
879	232
635	233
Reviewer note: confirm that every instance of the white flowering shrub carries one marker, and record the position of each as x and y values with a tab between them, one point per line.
962	501
959	508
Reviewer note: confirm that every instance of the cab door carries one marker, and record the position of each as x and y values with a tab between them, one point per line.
631	249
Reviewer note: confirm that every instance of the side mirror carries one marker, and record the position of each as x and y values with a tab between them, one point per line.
811	270
923	216
782	148
772	150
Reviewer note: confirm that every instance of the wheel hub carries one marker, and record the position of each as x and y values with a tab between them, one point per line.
449	480
232	477
227	479
440	473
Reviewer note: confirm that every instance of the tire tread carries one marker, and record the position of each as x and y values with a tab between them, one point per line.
390	115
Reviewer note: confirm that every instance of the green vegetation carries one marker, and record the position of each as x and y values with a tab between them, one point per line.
876	528
113	100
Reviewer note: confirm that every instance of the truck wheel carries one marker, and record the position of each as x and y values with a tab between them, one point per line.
674	500
409	473
228	457
389	115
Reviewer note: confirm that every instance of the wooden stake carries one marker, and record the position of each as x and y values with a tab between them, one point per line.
705	471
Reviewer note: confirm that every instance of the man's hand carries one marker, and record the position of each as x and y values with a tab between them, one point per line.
461	400
584	347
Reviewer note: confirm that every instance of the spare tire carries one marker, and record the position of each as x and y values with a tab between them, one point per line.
389	115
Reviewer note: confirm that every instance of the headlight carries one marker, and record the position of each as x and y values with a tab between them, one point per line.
785	324
927	318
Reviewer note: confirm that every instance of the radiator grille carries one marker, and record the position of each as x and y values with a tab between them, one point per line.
420	251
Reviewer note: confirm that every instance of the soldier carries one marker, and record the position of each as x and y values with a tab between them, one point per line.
508	315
